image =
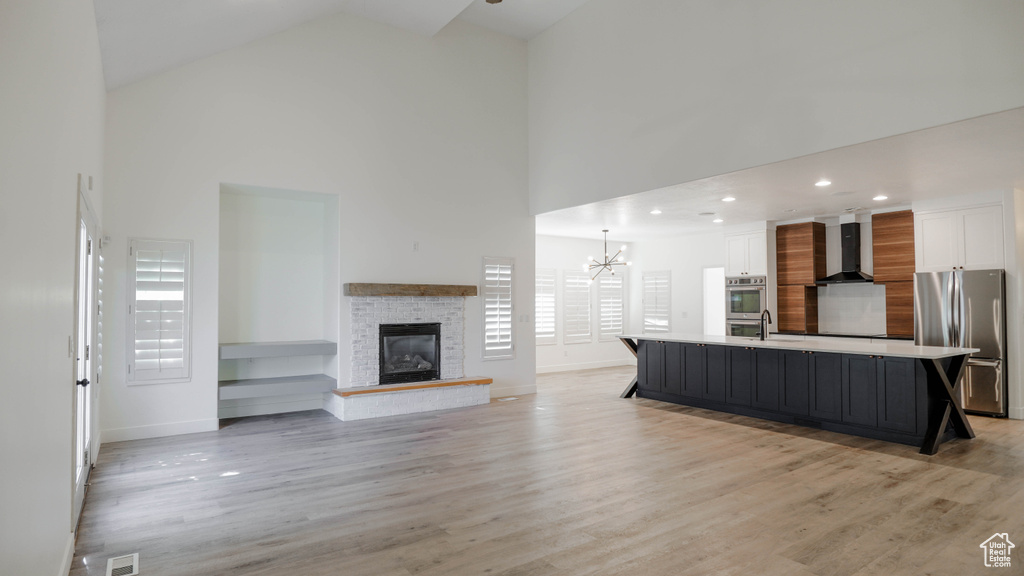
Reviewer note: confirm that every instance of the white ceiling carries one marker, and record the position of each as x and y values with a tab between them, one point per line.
980	155
139	38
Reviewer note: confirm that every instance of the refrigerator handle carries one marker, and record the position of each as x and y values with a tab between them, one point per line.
947	311
961	333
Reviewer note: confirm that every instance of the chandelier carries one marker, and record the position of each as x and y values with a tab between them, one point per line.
617	260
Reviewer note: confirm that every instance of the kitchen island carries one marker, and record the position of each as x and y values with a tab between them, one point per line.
893	391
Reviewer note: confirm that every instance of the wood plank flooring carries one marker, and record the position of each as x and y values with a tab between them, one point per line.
571	481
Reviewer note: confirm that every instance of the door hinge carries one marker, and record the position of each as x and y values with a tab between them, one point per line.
87	351
88	247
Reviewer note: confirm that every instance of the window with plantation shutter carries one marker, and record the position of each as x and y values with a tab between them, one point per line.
657	301
544	309
610	295
497	302
159	300
576	307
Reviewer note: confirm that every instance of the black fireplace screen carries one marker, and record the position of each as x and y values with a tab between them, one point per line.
410	352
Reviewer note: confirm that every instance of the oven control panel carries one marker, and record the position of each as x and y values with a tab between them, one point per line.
746	281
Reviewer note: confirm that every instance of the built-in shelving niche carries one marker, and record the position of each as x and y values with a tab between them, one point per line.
279	300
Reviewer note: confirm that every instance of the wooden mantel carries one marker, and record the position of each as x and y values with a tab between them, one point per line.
436	290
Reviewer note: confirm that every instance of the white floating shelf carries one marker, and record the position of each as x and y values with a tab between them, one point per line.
278	349
263	387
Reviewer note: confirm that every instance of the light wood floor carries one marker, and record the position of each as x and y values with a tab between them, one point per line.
572	480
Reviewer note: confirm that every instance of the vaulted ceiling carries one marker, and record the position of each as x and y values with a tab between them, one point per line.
139	38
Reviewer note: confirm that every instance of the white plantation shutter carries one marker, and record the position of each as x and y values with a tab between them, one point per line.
497	301
544	309
576	307
159	310
657	301
610	294
98	363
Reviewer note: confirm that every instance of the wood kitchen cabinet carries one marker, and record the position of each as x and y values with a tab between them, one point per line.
970	239
798	309
795	373
825	391
893	254
800	253
899	308
860	390
746	254
892	246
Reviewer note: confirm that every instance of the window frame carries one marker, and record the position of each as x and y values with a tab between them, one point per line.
134	375
572	281
657	276
610	335
499	351
550	291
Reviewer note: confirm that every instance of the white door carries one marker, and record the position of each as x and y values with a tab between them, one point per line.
85	336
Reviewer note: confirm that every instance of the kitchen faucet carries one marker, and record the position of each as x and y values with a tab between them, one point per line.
764	326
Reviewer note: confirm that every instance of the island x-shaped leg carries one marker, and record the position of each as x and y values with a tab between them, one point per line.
944	391
631	389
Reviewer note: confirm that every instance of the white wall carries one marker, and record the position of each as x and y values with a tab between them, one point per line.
276	256
570	254
634	95
421	139
51	129
686	257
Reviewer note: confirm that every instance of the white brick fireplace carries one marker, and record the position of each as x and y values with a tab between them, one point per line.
370	306
369	312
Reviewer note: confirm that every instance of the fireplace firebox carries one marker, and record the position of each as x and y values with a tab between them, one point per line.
410	352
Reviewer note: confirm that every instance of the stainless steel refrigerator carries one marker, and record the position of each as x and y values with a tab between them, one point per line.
967	308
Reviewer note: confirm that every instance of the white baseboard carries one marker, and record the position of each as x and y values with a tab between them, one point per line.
1016	413
260	408
503	391
583	366
159	430
69	556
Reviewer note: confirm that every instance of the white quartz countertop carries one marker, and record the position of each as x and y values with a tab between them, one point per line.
901	349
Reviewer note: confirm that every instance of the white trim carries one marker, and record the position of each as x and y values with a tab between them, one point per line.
69	556
161	430
520	390
1016	413
583	366
185	372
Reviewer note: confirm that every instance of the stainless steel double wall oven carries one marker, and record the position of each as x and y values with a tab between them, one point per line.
745	299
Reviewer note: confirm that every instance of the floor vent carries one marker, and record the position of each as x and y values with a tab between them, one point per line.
127	565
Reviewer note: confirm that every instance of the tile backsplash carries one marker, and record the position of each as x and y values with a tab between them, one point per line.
851	309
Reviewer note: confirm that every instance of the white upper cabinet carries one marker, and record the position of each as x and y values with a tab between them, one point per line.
970	239
746	254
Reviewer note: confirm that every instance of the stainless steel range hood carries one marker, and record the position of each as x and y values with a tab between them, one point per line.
850	233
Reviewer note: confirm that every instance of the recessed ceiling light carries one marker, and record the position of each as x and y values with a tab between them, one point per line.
822	182
728	199
790	210
718	220
655	211
881	197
